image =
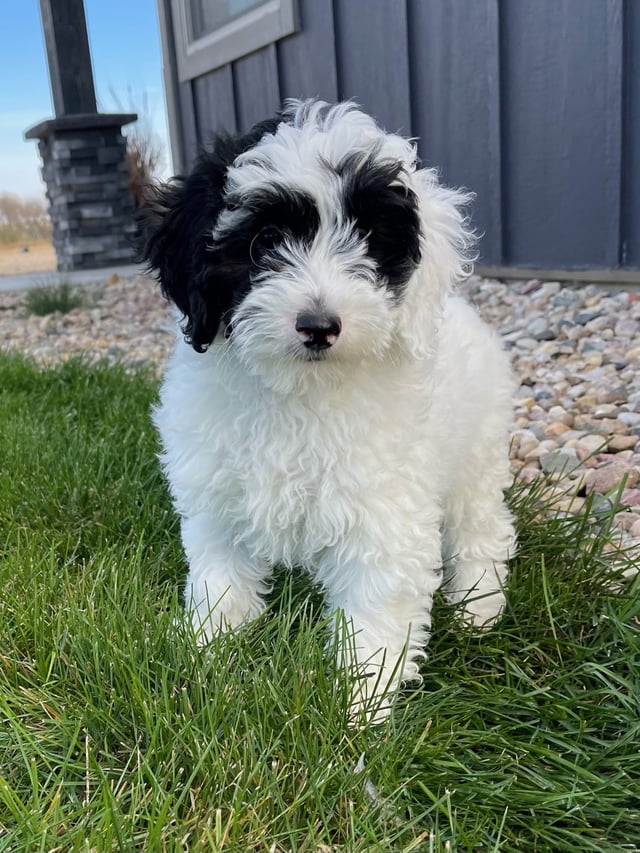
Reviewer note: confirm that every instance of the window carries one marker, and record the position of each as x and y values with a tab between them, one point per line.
210	33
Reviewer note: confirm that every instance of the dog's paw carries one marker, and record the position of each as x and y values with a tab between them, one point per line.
374	692
483	612
370	704
226	616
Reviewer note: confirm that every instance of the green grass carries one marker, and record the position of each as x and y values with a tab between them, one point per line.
118	733
49	298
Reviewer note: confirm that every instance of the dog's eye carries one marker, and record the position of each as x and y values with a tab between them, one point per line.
265	241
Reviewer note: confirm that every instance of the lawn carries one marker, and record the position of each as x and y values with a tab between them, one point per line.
118	733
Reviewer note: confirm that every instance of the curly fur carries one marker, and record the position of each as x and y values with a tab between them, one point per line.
369	453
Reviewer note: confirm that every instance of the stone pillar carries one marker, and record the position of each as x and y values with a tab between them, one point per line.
87	178
83	151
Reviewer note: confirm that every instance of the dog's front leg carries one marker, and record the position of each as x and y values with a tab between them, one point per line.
225	587
381	603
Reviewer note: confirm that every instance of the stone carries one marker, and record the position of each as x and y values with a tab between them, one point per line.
630	497
543	393
540	330
556	429
608	477
607	410
561	461
631	419
520	437
570	438
565	299
539	429
521	422
589	444
593	349
571	504
622	442
530	286
543	447
95	211
84	168
527	343
601	506
625	519
577	390
526	448
626	327
584	317
529	473
525	400
537	413
611	395
612	426
560	415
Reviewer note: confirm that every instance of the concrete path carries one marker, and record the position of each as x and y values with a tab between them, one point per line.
27	281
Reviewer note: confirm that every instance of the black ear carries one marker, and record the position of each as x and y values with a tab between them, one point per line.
173	228
174	234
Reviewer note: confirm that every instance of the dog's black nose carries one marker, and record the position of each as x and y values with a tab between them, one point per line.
318	331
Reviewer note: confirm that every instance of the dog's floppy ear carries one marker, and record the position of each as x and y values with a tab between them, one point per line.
173	231
447	259
175	227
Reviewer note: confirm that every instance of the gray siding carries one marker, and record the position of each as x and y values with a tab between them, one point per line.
534	105
257	87
562	60
455	100
307	60
187	114
630	244
373	60
215	103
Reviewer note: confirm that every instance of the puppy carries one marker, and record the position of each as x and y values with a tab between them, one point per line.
334	406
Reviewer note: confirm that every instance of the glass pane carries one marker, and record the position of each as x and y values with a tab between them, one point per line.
209	15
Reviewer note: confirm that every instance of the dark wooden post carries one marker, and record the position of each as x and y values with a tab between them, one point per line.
83	151
65	36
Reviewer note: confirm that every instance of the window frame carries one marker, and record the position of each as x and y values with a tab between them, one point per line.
254	29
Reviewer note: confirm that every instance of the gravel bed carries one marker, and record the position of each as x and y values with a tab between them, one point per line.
575	353
123	320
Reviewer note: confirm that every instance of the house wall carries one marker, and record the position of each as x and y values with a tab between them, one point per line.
532	104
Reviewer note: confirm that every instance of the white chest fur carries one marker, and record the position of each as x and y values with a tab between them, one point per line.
288	475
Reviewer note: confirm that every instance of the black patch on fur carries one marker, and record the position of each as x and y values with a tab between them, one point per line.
386	216
286	214
175	229
271	218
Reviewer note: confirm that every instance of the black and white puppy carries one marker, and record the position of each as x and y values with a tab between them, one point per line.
333	406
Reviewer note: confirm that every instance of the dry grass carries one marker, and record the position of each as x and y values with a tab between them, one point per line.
41	257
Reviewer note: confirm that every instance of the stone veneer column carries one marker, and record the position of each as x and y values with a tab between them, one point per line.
87	179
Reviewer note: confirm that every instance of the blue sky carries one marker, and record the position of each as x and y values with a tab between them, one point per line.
127	66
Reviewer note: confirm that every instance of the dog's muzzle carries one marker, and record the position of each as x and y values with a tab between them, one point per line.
318	331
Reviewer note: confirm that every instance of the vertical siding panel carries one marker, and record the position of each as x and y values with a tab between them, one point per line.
214	102
188	121
307	60
256	87
561	131
372	59
534	106
171	84
631	140
455	98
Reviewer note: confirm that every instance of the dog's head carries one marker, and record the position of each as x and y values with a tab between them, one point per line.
312	240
